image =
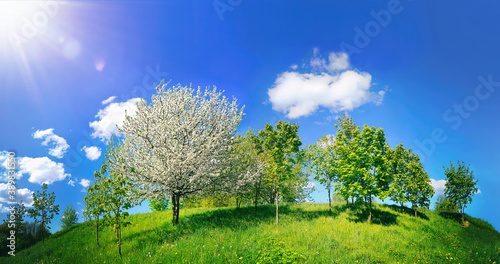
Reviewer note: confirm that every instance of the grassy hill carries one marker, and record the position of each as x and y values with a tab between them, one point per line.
307	233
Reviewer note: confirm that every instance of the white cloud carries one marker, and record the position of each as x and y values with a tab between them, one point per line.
92	153
294	66
4	209
23	194
438	186
336	62
111	116
71	182
59	144
334	87
42	170
85	183
109	100
4	166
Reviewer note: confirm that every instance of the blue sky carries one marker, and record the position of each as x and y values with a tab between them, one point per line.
427	73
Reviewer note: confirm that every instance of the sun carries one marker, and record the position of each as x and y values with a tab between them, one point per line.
13	13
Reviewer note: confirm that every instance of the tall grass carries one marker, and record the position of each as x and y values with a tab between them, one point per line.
307	233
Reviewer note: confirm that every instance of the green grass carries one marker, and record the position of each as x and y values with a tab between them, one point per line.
307	233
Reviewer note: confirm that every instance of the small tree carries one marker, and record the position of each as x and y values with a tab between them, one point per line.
95	199
345	147
70	217
44	208
15	218
322	162
119	196
280	146
398	169
159	204
418	188
410	182
245	169
460	185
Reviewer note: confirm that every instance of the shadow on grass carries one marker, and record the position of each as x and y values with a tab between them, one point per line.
358	213
457	217
235	219
408	211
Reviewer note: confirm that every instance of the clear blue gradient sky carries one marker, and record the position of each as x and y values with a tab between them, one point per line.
427	72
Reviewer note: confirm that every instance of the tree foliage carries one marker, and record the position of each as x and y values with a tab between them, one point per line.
345	147
44	208
245	168
362	162
177	145
280	147
69	217
15	218
410	182
95	199
460	185
160	204
323	163
444	205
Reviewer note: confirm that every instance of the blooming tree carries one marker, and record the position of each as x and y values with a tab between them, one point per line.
177	144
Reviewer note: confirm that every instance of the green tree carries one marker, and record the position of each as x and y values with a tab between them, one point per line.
44	208
322	162
460	185
443	204
398	159
159	204
362	162
119	196
374	179
95	199
418	188
280	146
69	217
345	147
410	182
15	217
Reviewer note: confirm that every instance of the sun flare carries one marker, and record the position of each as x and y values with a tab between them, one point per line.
13	13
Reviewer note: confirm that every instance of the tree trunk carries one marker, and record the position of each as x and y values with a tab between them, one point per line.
256	201
329	197
370	209
97	231
119	234
463	216
42	231
277	194
175	209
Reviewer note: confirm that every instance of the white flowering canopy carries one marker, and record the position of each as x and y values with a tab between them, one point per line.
176	145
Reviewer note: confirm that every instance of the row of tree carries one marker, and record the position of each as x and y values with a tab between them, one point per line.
183	145
360	164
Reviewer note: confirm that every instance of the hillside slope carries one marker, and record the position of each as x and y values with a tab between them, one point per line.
307	233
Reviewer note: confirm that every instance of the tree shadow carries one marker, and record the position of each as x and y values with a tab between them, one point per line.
358	213
236	219
407	211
